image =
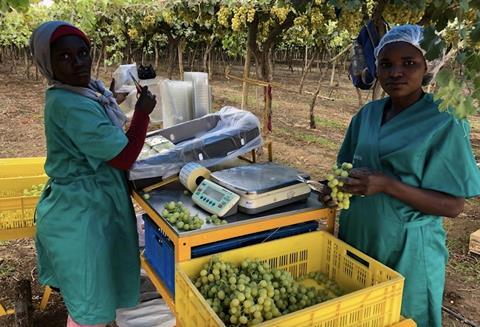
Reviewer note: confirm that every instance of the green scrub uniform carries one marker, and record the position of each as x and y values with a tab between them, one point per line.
424	148
87	242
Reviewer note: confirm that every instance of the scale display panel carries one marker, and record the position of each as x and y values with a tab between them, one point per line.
215	198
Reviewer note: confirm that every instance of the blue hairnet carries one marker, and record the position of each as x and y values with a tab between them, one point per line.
411	34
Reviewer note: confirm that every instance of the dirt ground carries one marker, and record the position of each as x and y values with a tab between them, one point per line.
21	135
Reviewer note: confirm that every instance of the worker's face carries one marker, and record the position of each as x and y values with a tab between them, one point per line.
401	68
71	61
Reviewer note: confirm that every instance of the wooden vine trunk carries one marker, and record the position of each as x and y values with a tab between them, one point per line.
23	304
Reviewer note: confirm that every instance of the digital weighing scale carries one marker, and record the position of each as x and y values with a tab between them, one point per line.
263	186
250	189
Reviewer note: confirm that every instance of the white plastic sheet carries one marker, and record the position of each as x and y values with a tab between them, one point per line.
201	93
153	313
177	104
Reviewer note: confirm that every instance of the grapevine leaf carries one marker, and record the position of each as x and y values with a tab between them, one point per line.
476	85
461	57
464	5
438	3
441	17
432	43
299	5
444	77
472	62
475	34
464	108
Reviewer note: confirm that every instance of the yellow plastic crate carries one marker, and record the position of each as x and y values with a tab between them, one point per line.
406	323
374	291
17	174
22	167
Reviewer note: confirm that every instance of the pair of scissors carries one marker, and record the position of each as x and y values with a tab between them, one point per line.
137	84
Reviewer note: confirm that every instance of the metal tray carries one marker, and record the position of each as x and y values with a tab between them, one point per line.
175	192
257	178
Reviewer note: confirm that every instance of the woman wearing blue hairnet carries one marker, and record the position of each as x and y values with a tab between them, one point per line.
413	165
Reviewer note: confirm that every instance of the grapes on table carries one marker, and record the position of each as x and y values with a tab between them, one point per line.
179	216
214	219
252	292
342	199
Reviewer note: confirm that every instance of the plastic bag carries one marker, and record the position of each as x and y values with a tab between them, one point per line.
123	81
128	106
209	140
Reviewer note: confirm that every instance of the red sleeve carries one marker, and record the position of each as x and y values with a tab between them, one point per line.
136	138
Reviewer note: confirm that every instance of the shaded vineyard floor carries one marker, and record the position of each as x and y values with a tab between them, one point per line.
21	134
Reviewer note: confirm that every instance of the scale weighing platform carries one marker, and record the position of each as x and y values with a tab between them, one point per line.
250	189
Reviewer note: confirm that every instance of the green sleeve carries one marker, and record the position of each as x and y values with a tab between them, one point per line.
347	150
92	132
450	166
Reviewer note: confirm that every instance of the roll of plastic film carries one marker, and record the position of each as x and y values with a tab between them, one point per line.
192	174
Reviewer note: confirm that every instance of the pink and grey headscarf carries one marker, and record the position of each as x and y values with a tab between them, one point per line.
40	43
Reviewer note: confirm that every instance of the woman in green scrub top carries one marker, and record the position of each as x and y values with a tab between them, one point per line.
413	165
86	240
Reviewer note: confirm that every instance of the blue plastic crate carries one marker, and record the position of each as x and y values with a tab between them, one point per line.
241	241
160	252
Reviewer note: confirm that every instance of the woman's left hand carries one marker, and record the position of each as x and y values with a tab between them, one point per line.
119	97
363	181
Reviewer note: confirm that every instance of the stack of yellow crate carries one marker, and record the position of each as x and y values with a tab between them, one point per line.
20	182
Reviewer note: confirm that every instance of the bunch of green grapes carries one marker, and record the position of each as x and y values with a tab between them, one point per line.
342	199
351	21
167	16
238	20
34	190
280	12
179	216
253	292
133	33
450	33
148	21
213	219
223	15
251	14
402	14
264	28
316	18
300	21
370	7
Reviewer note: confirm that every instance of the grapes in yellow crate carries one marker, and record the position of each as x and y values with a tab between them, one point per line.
34	190
342	199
